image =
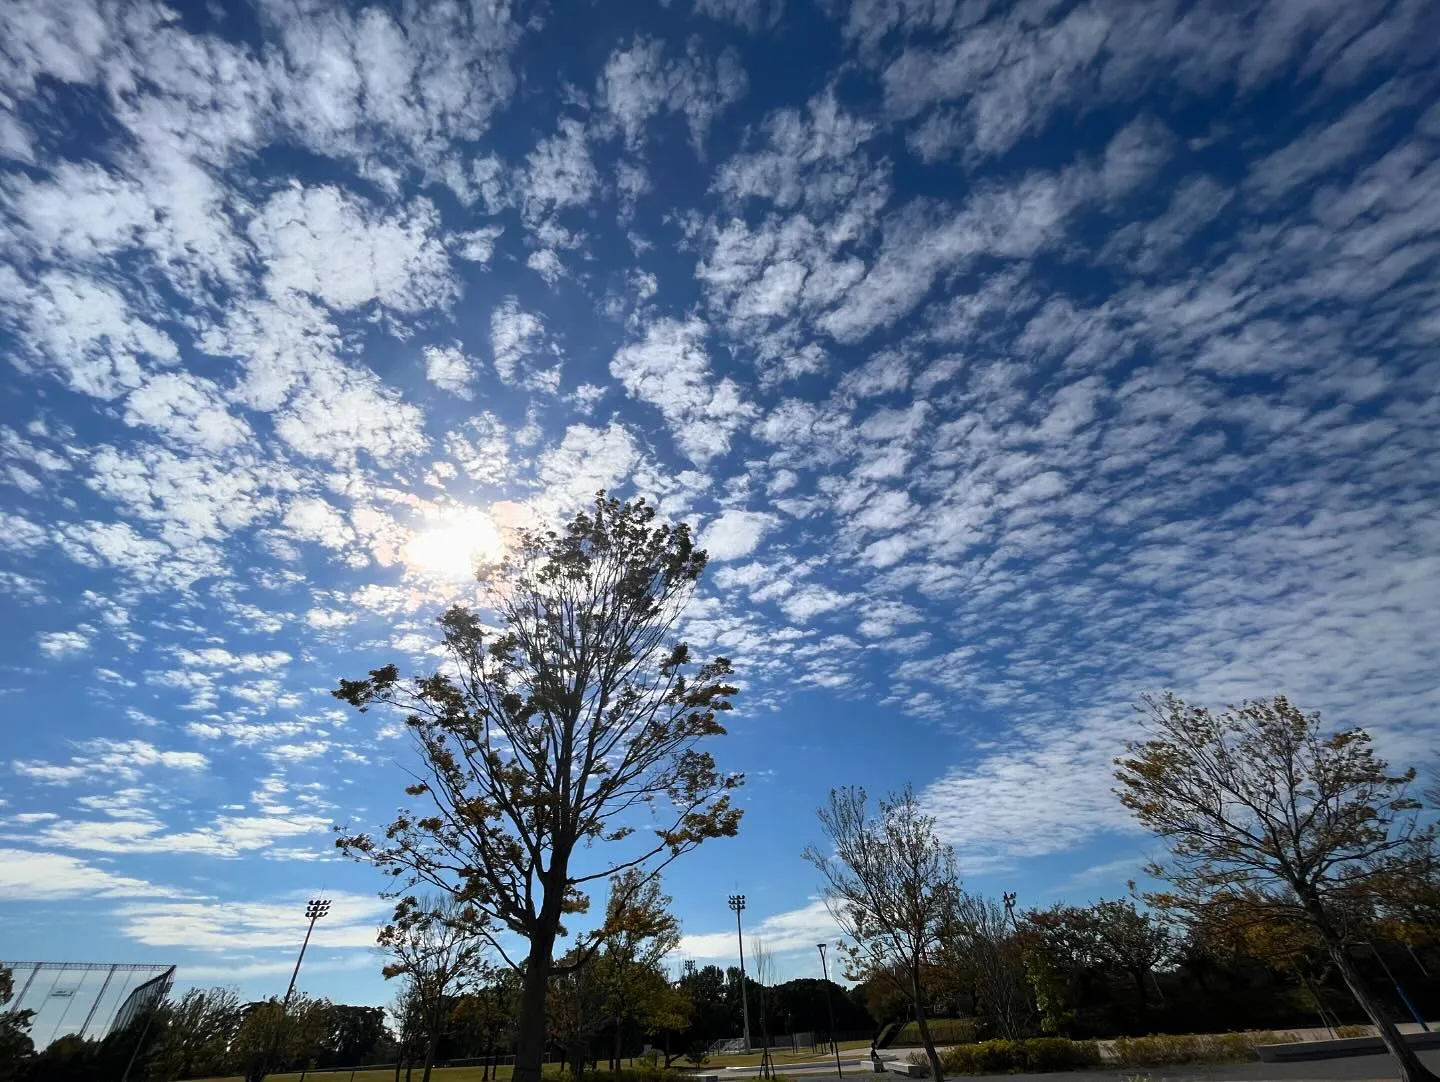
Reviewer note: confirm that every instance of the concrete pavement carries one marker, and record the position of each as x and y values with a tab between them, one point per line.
1379	1068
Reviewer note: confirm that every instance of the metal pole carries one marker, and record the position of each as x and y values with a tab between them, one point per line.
138	1045
314	909
830	1006
98	997
1416	959
1398	990
20	1000
737	903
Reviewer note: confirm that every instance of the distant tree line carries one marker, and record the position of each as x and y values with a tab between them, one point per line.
205	1033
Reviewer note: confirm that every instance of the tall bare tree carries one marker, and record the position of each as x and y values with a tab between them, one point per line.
1261	808
434	944
762	965
977	942
575	722
890	884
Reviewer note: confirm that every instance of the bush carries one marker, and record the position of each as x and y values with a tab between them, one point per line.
1058	1054
1035	1054
1163	1050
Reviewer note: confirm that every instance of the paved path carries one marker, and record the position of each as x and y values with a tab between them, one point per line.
1379	1068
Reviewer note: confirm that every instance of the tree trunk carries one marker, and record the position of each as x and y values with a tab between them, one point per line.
1411	1069
430	1050
1139	976
615	1059
530	1026
917	999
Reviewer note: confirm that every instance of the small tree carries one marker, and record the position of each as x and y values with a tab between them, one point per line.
15	1043
268	1032
567	727
640	931
434	944
1260	807
408	1012
1132	942
762	964
196	1034
575	1010
890	885
977	943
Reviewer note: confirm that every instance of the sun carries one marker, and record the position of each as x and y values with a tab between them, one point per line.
452	544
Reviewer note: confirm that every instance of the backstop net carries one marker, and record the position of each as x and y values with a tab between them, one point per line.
91	999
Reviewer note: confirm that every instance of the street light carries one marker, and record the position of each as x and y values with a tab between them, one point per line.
737	903
825	969
1009	897
314	910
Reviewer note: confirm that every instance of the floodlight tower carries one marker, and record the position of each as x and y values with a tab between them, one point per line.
737	903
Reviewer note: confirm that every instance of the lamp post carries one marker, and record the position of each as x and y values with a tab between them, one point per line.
830	1006
737	903
314	910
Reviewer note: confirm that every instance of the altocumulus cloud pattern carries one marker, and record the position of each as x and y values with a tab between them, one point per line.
1010	359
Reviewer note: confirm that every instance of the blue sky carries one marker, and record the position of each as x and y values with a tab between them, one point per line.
1011	360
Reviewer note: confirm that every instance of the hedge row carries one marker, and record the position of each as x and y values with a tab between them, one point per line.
1165	1051
1002	1057
1040	1054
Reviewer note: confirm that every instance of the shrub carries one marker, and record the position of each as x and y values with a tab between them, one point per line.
1035	1054
698	1053
1163	1050
1058	1054
1354	1031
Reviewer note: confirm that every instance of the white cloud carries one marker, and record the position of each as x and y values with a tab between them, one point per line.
313	519
61	644
793	930
327	243
735	534
559	171
188	409
29	876
450	370
638	83
670	369
83	331
104	758
586	460
252	924
516	337
225	836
